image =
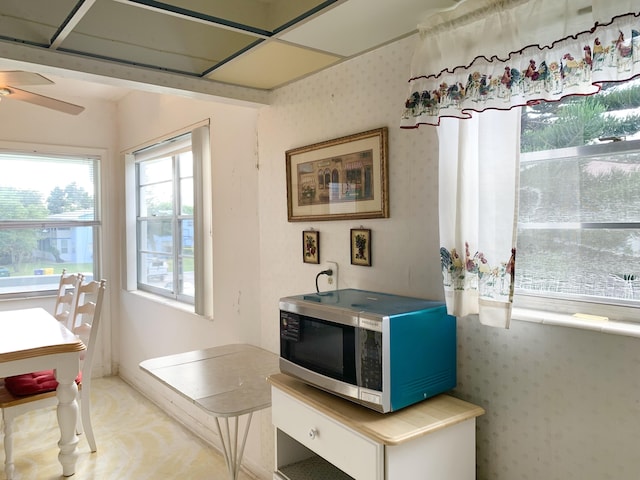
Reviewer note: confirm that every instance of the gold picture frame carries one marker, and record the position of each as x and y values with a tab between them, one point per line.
361	246
344	178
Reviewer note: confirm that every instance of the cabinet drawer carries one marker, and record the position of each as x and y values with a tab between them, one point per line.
350	452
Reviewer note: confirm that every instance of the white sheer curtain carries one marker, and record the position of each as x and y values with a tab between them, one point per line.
202	221
478	179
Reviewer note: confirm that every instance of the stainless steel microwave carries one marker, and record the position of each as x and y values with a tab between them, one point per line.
380	350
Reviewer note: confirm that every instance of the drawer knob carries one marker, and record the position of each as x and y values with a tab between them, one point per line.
312	433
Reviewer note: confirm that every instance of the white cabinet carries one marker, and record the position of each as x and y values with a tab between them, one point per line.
321	436
345	448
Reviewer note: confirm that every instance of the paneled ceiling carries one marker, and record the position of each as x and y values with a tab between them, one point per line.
254	44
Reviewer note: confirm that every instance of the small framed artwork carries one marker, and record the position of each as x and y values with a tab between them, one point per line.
361	246
311	246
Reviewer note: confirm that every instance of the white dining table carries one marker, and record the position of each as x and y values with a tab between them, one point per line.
226	382
31	340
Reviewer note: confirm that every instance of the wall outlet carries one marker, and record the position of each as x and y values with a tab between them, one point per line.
326	282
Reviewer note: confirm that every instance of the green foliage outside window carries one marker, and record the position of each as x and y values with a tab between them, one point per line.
17	245
579	210
577	121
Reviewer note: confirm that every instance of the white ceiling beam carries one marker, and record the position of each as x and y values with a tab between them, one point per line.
20	57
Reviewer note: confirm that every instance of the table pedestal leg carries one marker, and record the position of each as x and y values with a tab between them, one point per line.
229	440
67	412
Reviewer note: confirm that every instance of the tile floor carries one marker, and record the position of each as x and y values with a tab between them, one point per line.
136	440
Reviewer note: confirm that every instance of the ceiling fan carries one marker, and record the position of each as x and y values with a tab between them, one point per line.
9	80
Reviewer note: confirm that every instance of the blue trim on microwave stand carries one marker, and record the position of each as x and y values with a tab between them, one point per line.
423	346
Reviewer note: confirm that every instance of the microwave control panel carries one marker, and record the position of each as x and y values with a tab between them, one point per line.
371	359
289	326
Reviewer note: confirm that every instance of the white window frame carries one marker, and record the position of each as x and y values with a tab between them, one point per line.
64	152
172	149
582	311
202	217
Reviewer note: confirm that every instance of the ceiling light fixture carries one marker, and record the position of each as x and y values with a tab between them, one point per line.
4	92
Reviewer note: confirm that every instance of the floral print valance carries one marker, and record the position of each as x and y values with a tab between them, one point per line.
571	66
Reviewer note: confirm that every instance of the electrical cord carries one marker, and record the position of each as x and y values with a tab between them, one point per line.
327	272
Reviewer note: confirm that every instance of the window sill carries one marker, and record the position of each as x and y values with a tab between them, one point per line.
185	307
613	327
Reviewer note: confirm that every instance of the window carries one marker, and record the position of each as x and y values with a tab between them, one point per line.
49	220
165	199
579	214
169	213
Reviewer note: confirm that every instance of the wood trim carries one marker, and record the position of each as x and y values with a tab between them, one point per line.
77	346
393	428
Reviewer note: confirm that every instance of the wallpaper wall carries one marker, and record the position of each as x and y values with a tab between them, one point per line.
561	403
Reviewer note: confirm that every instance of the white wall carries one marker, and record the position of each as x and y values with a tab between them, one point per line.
149	329
359	95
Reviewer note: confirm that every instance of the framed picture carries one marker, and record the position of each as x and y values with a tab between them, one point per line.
361	246
345	178
311	246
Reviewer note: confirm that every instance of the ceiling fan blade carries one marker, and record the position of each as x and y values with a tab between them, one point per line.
41	100
18	77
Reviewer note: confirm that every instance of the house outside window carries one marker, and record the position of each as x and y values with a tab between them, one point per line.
164	219
579	212
49	219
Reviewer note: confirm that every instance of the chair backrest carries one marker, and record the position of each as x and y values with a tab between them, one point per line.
87	309
64	300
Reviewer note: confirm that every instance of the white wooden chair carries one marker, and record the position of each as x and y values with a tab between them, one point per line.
86	308
64	298
86	314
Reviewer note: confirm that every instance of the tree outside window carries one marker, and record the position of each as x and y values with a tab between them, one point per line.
47	221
